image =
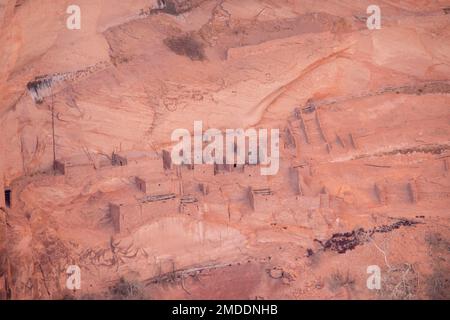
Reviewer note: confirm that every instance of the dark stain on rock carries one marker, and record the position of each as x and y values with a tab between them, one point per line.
186	45
341	242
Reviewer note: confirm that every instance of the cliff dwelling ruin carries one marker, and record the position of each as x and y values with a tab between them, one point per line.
88	179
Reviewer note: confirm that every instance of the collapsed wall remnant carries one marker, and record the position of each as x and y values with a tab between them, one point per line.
259	198
189	205
124	158
155	186
413	191
81	164
204	188
125	216
341	141
167	160
300	186
298	114
292	135
321	128
295	176
69	168
353	141
224	167
289	140
128	216
381	194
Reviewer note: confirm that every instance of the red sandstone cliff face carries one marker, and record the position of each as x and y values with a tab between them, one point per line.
363	180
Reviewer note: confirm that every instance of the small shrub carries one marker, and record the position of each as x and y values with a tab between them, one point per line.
438	286
400	283
338	280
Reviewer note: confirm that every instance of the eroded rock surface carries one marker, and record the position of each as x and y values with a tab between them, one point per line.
364	149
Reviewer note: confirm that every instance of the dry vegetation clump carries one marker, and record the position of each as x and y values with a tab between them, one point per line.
338	280
126	290
400	283
438	284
